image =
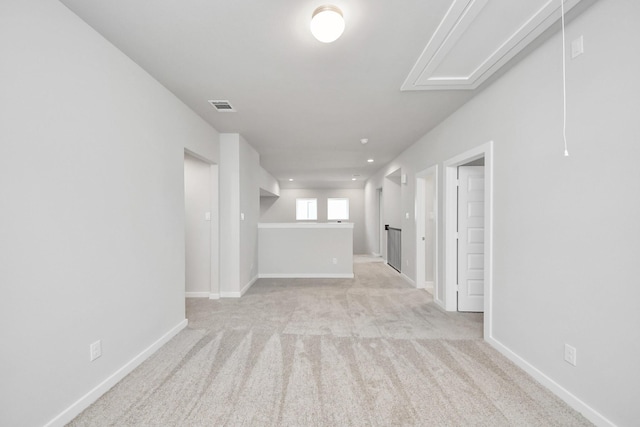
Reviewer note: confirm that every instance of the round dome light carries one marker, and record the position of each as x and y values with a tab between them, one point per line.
327	23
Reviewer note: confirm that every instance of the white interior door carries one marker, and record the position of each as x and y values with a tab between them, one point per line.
471	238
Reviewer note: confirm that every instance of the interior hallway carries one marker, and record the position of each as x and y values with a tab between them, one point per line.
323	352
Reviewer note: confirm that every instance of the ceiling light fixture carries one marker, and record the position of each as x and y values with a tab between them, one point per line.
370	160
364	141
327	23
290	179
353	179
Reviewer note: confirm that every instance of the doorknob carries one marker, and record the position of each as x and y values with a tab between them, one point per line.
423	239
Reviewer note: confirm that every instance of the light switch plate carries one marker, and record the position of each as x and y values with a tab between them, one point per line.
577	47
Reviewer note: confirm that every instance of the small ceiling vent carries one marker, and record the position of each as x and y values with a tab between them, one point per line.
222	106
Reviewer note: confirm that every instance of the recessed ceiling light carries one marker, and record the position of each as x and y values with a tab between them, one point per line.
290	179
364	141
327	23
370	160
353	179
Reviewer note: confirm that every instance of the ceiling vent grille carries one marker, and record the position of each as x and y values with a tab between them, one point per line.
222	106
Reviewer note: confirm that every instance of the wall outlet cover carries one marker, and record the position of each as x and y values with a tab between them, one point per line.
95	350
570	354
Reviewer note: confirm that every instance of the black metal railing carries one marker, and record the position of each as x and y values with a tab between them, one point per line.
394	246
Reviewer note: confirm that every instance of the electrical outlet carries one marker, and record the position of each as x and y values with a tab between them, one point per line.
570	354
95	350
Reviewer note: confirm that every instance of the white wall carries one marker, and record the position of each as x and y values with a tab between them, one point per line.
240	180
268	183
197	189
430	231
306	250
392	213
92	218
229	214
250	177
565	229
372	220
283	209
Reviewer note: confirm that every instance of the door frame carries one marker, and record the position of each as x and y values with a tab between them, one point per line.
214	223
421	219
450	229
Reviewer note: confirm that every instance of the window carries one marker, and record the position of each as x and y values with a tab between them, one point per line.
306	209
337	209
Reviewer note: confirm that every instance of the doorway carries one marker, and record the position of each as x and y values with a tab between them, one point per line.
201	227
470	240
451	236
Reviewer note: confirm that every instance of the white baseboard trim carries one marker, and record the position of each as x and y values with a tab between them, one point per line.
248	285
214	296
235	294
409	280
568	397
224	294
376	254
83	403
196	294
306	276
439	303
429	287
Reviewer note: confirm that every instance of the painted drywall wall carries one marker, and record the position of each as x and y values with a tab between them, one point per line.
92	223
269	186
374	234
198	221
430	231
392	209
214	174
283	209
564	227
229	189
250	178
305	250
240	180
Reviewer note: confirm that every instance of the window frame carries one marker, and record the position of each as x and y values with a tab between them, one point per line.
307	199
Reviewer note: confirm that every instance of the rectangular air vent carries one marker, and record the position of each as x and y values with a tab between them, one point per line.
222	106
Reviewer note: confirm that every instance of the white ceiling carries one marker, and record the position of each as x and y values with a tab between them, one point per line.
305	105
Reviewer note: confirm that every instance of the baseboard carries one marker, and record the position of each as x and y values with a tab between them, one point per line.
439	303
235	294
214	296
376	254
305	276
83	403
429	287
224	294
196	294
408	279
248	285
569	398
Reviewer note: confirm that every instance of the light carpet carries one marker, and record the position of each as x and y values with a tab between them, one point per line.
368	351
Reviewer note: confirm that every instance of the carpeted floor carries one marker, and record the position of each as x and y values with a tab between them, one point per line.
369	351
